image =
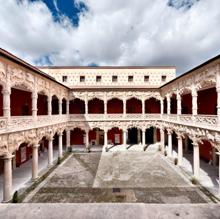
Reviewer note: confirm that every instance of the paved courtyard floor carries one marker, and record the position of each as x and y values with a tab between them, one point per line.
121	176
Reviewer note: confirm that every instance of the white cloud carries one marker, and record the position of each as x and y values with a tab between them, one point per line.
113	33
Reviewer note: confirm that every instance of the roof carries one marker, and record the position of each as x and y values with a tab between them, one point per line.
105	67
21	62
193	69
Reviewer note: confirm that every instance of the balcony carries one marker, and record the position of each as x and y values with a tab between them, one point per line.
200	121
20	123
113	117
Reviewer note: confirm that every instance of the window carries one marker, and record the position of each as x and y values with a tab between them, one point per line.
98	78
64	78
146	78
114	78
82	78
163	77
130	78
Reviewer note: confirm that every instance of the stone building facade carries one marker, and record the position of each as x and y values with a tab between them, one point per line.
48	107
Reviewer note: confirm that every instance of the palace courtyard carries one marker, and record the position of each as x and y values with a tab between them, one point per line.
131	176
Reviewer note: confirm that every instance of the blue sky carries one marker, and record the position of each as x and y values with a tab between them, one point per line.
67	8
183	33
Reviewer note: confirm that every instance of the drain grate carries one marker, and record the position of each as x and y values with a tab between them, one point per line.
114	190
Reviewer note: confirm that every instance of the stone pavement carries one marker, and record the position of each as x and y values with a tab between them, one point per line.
110	211
117	176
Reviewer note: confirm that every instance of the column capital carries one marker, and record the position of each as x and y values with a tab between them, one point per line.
36	145
8	156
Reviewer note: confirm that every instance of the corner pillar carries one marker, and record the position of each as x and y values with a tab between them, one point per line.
7	183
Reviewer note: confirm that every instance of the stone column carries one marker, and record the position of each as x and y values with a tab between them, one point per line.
138	136
170	148
34	103
162	140
105	107
143	106
194	102
196	160
60	152
60	106
105	138
49	105
214	157
218	104
50	151
161	107
35	161
180	150
124	107
86	107
125	137
155	135
179	107
143	137
87	141
6	102
7	183
68	138
67	107
168	104
218	153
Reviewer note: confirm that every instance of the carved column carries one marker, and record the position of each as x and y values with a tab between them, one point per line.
168	104
86	104
180	150
218	153
7	183
161	106
6	102
49	105
124	107
194	102
105	138
138	136
35	161
170	148
143	137
196	159
67	107
60	106
155	135
179	107
105	107
60	152
68	144
50	151
87	141
34	103
143	106
162	140
125	137
218	104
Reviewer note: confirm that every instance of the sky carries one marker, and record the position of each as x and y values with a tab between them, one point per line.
181	33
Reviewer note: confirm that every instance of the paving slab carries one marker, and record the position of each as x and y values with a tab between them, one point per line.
110	211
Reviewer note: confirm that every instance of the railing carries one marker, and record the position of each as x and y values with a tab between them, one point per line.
203	121
19	123
113	117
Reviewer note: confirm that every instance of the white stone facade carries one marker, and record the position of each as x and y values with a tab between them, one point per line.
116	77
31	129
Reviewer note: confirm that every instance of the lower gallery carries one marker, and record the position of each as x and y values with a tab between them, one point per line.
110	135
